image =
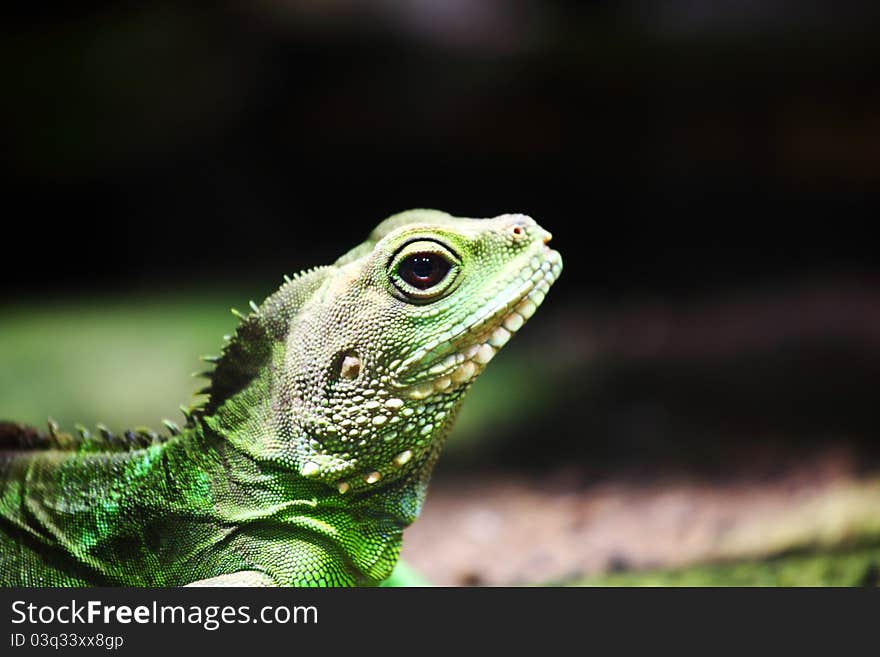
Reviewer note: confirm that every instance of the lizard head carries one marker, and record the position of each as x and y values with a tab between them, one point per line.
352	374
380	356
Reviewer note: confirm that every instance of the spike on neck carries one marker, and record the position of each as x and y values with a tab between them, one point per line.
249	350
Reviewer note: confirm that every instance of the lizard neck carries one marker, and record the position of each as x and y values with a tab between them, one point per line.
274	508
262	443
259	489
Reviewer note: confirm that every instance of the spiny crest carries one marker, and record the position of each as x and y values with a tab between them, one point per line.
247	352
21	437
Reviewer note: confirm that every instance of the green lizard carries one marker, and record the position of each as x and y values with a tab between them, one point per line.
323	419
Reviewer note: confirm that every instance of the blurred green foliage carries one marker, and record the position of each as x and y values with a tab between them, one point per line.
123	362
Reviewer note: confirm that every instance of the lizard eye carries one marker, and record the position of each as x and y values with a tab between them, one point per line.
423	270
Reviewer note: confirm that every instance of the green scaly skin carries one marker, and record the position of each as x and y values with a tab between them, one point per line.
325	415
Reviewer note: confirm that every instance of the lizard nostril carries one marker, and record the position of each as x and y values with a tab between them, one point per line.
547	237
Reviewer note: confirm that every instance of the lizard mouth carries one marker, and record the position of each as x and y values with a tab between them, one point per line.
459	356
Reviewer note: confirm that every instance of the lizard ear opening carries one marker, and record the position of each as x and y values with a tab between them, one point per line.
348	365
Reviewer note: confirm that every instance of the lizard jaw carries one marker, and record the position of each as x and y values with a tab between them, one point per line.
474	346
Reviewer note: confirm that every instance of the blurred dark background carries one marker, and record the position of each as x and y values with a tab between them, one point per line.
671	146
710	172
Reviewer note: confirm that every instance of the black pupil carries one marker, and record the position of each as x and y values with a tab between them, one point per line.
423	270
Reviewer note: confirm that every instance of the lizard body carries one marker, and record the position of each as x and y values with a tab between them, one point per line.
324	417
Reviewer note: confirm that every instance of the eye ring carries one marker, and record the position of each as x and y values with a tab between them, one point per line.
423	270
